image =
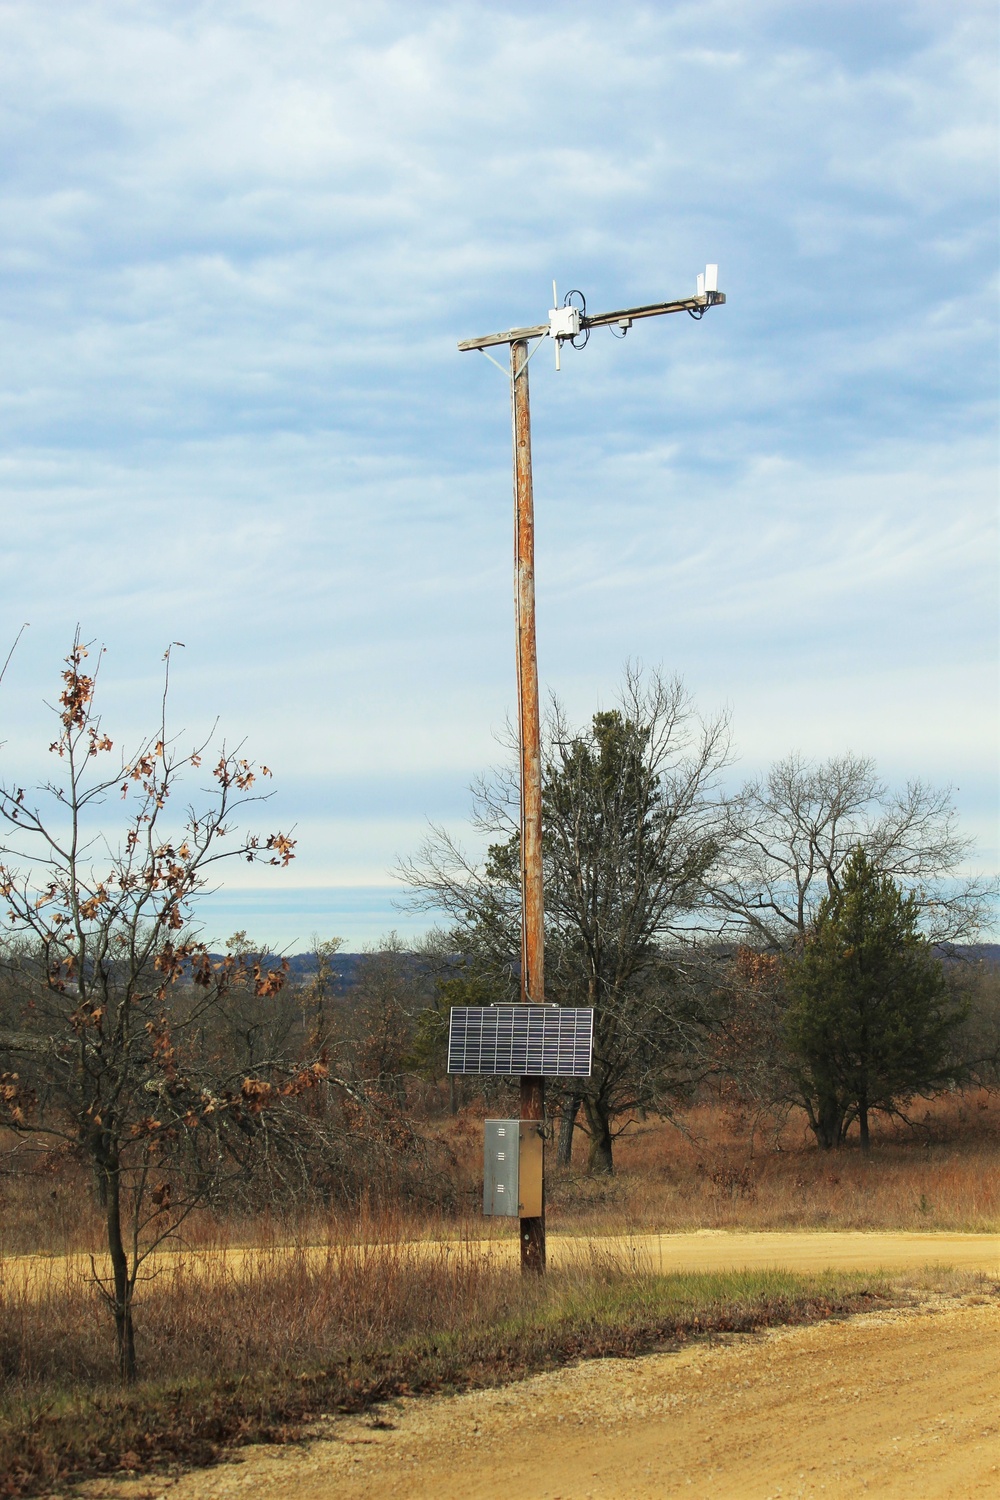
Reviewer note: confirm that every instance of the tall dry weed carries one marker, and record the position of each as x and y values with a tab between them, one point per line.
230	1311
718	1167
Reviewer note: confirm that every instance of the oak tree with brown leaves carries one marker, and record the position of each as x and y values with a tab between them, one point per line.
109	1055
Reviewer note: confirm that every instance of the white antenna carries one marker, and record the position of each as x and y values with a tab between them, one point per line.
564	323
555	304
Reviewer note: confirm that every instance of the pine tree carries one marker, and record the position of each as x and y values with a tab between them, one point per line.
870	1018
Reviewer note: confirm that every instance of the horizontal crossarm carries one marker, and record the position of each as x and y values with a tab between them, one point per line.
599	320
653	310
512	336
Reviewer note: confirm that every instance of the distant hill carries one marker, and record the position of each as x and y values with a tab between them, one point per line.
302	967
988	951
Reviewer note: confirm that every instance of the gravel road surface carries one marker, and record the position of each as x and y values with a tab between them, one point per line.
899	1405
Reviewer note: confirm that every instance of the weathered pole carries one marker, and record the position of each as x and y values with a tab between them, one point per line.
530	748
564	324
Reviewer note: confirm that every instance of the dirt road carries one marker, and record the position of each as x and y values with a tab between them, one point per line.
798	1250
903	1405
699	1250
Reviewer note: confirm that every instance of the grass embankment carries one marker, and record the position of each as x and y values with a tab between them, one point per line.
252	1354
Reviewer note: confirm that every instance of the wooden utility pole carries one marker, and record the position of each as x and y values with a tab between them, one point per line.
565	325
530	746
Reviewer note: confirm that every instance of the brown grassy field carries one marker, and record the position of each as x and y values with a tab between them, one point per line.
717	1168
713	1168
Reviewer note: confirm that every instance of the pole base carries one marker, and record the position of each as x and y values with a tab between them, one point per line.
532	1246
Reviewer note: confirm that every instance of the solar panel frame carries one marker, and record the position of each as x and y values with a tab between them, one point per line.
532	1041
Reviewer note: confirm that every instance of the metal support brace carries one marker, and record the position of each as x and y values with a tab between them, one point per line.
503	368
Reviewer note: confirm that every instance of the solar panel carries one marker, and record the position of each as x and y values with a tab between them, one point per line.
534	1041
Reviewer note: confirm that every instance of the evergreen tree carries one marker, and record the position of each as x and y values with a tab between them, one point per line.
631	821
871	1016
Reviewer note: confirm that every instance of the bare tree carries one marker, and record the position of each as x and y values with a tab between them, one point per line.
390	988
632	828
114	1055
750	1058
316	996
789	833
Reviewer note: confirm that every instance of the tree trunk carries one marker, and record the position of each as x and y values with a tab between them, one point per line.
600	1158
862	1101
828	1126
570	1110
866	1144
124	1333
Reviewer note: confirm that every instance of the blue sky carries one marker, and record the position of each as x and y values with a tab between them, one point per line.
239	243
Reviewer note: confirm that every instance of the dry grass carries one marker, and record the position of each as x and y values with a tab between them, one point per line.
54	1212
232	1312
713	1168
718	1171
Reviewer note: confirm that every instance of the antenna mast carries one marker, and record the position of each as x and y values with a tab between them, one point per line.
569	323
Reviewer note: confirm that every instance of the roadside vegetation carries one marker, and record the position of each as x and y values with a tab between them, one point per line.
238	1191
717	1168
258	1326
257	1348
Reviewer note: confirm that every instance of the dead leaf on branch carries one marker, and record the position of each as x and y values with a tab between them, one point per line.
98	741
77	694
283	847
161	1196
269	982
